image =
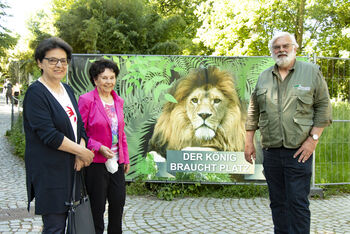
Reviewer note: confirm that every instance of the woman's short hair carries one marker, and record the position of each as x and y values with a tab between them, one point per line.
49	44
99	67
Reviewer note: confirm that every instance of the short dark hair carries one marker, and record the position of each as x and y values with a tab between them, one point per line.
49	44
99	67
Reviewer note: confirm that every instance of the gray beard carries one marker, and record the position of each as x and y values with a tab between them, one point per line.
285	61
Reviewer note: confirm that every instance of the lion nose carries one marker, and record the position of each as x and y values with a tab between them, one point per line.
204	116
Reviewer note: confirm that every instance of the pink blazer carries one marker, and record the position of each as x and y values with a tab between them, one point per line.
98	125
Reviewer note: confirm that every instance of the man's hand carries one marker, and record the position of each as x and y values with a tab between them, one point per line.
306	149
106	152
126	168
249	152
249	148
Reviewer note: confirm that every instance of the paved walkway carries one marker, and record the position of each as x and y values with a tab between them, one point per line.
151	215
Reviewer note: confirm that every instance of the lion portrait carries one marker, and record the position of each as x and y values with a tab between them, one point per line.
208	114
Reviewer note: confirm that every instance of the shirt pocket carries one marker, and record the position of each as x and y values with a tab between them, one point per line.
304	103
301	129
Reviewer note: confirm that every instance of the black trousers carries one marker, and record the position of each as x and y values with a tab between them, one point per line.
102	186
8	97
54	223
16	94
289	186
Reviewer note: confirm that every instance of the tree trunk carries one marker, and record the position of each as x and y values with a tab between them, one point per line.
299	27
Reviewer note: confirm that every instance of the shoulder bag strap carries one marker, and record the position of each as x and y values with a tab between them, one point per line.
71	202
83	185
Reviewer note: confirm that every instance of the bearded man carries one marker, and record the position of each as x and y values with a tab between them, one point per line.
290	106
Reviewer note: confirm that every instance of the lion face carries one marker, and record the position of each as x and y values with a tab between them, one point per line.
205	110
208	114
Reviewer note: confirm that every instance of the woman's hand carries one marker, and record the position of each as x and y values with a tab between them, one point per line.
106	152
85	155
79	164
126	168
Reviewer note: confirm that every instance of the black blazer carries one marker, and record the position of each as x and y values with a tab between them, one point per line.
49	171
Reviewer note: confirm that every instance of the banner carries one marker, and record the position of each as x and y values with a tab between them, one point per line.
184	115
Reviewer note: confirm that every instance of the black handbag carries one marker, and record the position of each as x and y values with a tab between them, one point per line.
79	214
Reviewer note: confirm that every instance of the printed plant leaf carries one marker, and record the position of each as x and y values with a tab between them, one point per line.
129	90
170	98
159	89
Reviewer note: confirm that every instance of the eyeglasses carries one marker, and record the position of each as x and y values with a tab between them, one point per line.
54	61
285	46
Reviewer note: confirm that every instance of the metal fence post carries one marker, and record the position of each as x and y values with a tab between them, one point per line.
314	60
313	189
12	112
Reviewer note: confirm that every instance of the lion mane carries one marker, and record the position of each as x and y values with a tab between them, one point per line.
208	113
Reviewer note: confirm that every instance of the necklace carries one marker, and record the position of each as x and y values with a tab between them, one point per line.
108	99
59	92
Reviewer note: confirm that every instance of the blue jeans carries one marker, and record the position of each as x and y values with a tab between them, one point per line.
289	186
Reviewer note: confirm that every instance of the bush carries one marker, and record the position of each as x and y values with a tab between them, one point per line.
16	137
169	191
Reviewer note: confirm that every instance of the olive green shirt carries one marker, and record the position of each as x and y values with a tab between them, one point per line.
286	110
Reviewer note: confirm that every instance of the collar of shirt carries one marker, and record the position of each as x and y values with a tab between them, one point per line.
275	68
277	74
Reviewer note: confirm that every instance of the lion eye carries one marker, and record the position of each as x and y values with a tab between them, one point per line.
194	100
217	100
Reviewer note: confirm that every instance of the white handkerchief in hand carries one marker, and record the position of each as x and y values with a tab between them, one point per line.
112	165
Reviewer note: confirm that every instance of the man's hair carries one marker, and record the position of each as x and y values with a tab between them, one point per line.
49	44
99	67
282	34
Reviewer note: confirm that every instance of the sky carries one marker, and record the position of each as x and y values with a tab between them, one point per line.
21	11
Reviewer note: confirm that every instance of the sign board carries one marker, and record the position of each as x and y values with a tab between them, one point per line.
178	103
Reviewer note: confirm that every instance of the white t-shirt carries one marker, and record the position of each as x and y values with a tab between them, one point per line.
66	103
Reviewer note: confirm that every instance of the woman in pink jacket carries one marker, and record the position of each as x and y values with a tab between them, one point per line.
102	112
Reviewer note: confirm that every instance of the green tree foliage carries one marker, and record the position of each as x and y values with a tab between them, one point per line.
330	31
245	27
23	67
119	27
217	27
7	41
40	27
182	11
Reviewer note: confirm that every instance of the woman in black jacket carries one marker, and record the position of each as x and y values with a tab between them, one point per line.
55	136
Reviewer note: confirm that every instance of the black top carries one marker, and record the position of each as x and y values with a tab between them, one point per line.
49	171
9	88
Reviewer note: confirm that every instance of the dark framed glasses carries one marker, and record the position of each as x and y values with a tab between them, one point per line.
54	61
279	47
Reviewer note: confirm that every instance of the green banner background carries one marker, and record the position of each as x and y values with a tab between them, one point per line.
143	83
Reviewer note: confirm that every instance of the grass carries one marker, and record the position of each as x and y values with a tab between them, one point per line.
332	190
332	153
